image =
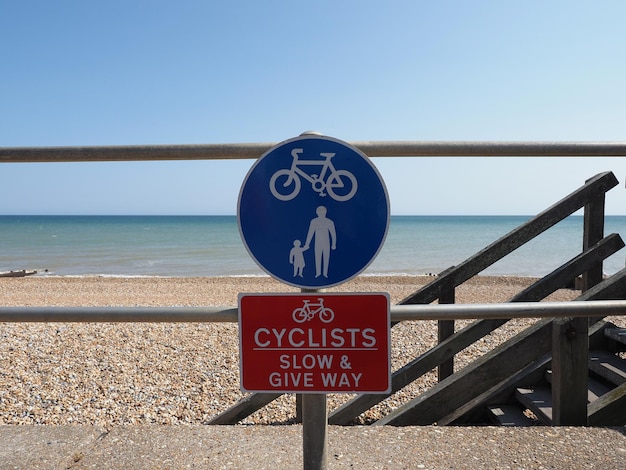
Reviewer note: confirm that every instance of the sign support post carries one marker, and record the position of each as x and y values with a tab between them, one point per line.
314	431
314	425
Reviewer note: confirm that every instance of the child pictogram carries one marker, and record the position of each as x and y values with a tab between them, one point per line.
296	257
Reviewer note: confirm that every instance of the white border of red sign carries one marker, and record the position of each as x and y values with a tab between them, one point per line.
315	342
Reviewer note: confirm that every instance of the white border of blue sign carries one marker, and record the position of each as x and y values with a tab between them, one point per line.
263	206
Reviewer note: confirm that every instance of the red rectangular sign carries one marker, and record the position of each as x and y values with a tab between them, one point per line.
317	343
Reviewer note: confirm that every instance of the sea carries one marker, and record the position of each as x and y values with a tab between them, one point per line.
189	246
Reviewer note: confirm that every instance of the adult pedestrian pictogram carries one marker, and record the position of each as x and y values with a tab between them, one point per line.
322	229
313	211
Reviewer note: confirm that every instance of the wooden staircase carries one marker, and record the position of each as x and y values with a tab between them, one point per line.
606	396
513	384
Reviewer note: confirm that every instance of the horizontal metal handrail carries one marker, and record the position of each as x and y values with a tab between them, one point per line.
118	314
255	150
595	308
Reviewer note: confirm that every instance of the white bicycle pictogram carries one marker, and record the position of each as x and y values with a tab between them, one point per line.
340	185
308	311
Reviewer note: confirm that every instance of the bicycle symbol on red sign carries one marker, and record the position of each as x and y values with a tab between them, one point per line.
340	185
308	311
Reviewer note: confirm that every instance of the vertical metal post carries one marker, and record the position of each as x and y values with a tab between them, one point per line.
314	431
314	426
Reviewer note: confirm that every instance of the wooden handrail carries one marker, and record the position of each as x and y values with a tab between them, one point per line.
467	269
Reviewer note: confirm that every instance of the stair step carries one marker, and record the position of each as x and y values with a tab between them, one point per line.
548	376
596	387
616	334
537	400
608	366
509	415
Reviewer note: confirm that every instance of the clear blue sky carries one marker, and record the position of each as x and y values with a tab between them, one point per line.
187	72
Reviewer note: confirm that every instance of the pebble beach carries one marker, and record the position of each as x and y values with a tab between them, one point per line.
139	396
180	373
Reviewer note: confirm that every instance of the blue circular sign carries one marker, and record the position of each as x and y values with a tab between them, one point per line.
313	212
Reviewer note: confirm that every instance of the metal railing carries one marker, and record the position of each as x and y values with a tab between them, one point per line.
593	308
442	312
255	150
